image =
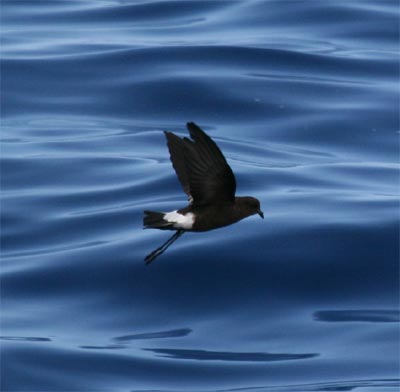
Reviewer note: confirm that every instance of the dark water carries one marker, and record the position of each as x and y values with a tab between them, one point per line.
302	97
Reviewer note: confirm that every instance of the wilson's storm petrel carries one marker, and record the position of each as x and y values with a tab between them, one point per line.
210	184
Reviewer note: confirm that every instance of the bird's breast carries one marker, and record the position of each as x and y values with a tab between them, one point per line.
213	217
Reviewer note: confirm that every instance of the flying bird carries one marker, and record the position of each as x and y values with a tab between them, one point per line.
210	185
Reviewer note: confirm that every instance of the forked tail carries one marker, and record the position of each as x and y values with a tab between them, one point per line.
155	220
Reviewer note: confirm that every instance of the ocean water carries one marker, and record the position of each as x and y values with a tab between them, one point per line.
301	96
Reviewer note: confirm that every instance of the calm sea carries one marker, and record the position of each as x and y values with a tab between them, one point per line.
301	96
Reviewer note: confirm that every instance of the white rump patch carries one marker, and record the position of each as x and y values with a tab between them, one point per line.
180	221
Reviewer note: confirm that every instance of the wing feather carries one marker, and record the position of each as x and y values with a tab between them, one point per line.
201	167
177	155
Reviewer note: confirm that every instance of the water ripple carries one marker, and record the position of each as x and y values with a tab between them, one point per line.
368	316
303	101
203	355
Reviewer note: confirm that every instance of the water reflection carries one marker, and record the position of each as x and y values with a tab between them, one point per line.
204	355
109	347
25	339
369	316
173	333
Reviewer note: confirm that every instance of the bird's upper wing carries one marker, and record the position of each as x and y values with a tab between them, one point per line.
201	168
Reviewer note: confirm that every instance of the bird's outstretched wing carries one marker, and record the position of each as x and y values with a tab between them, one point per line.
201	168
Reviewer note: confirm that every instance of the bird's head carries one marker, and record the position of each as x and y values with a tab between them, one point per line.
251	206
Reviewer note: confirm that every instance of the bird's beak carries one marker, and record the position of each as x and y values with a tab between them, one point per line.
261	214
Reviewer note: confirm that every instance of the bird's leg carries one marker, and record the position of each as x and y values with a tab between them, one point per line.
161	249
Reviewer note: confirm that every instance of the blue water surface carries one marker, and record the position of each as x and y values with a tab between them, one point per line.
301	96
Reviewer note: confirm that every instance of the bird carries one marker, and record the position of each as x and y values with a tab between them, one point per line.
210	185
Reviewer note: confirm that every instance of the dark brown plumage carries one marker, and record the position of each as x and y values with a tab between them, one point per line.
201	168
210	184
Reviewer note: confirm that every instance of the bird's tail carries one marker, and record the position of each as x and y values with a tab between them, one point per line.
155	220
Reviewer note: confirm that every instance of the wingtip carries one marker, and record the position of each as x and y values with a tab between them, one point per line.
194	129
168	135
190	125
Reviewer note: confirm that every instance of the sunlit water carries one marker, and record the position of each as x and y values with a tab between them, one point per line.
301	96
